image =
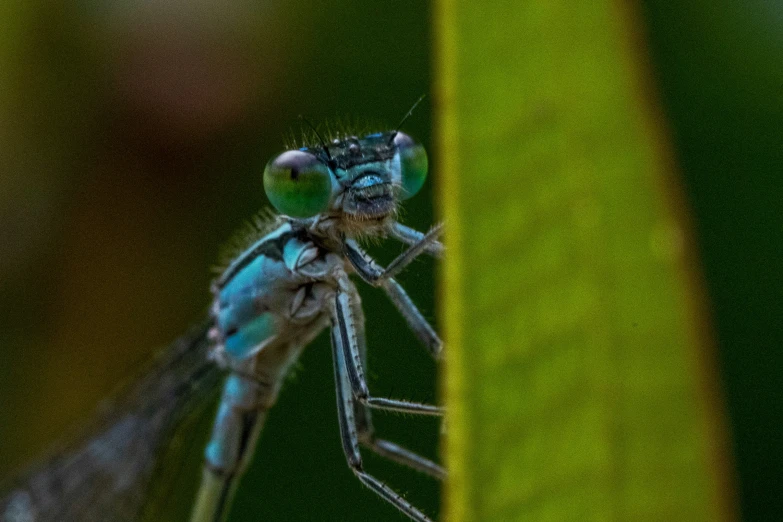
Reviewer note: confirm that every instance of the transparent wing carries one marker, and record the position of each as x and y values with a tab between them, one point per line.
113	471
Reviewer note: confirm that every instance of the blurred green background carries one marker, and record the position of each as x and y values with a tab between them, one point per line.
132	142
718	65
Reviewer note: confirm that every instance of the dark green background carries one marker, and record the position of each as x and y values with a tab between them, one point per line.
721	83
132	146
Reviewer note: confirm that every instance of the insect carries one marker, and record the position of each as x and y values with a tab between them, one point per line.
268	304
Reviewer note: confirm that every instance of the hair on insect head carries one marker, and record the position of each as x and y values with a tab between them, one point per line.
317	135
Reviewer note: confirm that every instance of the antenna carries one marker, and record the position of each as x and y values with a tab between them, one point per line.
405	118
318	135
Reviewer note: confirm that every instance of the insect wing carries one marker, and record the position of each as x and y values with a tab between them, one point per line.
115	470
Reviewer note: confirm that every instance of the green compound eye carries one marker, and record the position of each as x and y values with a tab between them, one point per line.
413	164
298	184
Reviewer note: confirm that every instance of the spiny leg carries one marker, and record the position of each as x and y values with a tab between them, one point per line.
349	436
404	259
369	271
411	236
343	323
390	450
416	321
366	432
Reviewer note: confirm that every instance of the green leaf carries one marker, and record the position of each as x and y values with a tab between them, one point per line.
579	368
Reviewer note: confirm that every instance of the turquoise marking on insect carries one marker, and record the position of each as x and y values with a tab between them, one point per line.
269	303
252	336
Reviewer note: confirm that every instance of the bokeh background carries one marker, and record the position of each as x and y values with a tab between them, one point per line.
132	140
134	136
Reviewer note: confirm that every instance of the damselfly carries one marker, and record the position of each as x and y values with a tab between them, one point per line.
269	303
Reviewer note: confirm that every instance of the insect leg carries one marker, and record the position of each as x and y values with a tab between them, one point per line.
390	450
372	273
404	259
410	236
346	332
349	437
363	418
417	323
369	270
